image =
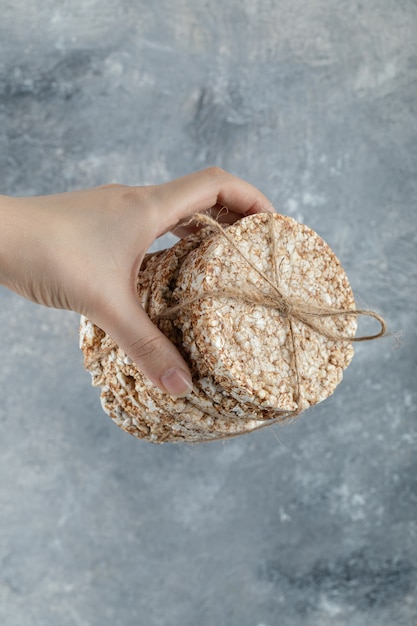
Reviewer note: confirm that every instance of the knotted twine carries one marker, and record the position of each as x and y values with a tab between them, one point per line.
289	308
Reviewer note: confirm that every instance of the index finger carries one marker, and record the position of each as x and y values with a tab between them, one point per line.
207	188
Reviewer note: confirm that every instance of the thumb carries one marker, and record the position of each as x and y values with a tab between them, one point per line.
129	326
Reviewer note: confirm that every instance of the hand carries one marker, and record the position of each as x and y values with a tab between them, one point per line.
82	251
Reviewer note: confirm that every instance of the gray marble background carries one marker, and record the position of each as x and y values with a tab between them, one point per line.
309	524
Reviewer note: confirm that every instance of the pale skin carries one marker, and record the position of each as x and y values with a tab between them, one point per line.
82	251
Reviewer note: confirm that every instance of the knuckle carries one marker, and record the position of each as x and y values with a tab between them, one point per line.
121	195
129	195
116	196
112	186
146	348
216	172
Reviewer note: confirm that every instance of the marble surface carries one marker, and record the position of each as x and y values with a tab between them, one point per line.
310	524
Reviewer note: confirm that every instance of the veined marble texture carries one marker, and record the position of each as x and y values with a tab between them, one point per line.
309	524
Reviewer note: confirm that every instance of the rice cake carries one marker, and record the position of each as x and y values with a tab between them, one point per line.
128	397
245	358
207	396
253	351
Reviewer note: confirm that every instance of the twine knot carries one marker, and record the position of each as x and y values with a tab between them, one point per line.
288	309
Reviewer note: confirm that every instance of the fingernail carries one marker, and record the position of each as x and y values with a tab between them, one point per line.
177	383
269	208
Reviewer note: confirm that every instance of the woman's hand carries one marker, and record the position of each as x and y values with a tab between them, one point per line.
82	251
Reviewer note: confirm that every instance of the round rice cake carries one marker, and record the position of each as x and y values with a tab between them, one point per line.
130	412
208	393
132	401
208	396
257	354
240	384
167	430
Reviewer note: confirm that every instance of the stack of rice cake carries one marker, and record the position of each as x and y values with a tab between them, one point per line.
251	366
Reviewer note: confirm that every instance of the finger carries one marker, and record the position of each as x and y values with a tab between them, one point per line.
220	214
130	327
208	188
